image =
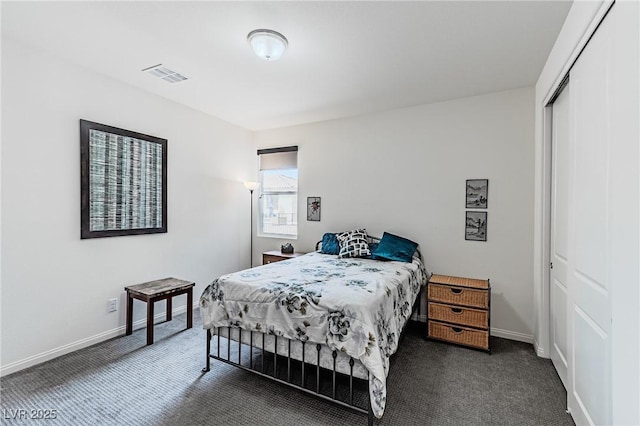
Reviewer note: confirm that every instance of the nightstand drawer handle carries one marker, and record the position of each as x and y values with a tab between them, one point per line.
456	290
456	311
457	330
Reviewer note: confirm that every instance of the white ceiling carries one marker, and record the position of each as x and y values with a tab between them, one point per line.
344	58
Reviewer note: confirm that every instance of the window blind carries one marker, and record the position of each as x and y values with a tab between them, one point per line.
278	158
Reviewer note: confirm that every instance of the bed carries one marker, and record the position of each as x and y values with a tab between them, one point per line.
315	312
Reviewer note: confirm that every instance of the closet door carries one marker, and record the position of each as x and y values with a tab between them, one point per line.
560	174
588	284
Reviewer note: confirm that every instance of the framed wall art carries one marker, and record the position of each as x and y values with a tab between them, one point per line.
475	226
477	193
123	182
313	209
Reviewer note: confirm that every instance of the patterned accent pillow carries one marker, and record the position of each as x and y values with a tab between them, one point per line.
353	244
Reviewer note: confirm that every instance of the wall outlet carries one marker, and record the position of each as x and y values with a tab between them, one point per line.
112	305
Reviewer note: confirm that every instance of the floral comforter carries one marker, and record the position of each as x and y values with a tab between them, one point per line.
358	306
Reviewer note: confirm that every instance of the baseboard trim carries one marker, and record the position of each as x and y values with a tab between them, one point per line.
539	349
420	318
80	344
512	335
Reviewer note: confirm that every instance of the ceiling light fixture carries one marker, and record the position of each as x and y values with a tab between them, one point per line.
267	44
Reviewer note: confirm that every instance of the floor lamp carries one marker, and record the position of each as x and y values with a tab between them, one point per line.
251	186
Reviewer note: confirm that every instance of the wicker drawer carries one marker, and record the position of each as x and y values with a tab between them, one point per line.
459	315
461	335
459	295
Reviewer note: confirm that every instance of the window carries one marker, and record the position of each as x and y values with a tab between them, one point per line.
278	206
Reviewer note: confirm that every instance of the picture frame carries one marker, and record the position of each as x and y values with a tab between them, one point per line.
477	193
123	182
313	209
475	226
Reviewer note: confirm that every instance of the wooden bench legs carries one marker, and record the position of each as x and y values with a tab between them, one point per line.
150	310
189	309
129	314
150	305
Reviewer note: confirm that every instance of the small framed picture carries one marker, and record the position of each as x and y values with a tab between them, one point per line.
476	226
313	209
477	193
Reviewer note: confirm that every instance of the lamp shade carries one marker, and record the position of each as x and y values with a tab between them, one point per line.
252	186
267	44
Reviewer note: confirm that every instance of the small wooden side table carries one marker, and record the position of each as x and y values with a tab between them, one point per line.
277	256
151	292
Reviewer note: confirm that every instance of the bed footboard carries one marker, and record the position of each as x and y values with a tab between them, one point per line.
340	389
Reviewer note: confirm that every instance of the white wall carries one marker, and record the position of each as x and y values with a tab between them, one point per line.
404	171
54	285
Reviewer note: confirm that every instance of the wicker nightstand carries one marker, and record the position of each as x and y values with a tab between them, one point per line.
277	256
459	310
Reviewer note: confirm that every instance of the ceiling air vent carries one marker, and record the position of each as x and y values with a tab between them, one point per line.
165	73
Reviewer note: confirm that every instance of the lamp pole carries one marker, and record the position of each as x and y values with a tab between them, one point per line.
251	230
251	186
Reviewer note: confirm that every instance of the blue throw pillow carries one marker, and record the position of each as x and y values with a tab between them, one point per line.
393	247
330	244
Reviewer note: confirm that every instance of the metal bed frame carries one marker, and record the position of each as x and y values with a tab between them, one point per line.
261	371
252	367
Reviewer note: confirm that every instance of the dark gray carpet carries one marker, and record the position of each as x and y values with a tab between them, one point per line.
124	382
